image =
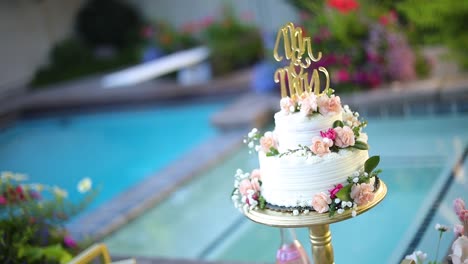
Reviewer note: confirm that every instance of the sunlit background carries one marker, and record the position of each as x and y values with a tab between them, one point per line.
149	102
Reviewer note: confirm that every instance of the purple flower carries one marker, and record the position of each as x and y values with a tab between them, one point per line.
69	241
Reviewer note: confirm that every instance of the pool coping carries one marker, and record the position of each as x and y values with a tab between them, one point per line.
128	205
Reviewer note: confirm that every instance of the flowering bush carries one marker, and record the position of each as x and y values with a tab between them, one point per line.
233	44
364	43
460	245
32	218
167	38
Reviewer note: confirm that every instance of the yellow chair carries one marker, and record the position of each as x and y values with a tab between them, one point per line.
95	251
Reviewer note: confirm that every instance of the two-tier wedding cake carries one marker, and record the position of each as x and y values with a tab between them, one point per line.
316	158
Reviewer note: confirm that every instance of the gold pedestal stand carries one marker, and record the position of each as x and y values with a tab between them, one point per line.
318	224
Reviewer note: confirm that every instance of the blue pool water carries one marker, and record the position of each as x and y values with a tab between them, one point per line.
115	149
417	156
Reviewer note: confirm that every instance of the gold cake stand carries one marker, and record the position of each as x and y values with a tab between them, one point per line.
318	224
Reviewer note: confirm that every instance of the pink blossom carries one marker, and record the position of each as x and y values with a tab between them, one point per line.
287	105
320	146
459	206
255	184
69	241
362	193
344	137
463	216
329	105
330	133
320	202
308	103
343	75
458	230
207	21
244	186
268	141
3	200
335	190
256	174
247	16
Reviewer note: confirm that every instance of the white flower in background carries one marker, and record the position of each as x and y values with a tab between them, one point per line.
295	212
36	187
354	213
8	175
441	228
60	192
306	211
418	256
85	185
340	211
460	251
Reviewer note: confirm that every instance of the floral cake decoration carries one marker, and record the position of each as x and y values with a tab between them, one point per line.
301	95
345	134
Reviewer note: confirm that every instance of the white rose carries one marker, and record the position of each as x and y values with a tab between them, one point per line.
460	251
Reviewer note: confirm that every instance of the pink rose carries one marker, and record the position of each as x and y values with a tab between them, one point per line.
344	137
244	186
458	230
459	206
362	193
320	146
320	202
255	184
335	190
330	133
268	141
308	103
287	105
329	105
256	174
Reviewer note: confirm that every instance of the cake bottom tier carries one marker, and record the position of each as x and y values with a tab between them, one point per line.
292	181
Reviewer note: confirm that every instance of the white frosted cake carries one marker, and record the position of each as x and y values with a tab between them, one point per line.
316	158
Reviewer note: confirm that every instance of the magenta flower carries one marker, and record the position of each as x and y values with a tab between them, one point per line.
330	133
3	200
343	75
335	190
69	241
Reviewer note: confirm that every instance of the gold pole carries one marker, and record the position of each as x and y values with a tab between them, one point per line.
320	239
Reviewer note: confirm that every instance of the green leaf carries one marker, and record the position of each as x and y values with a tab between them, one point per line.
338	123
371	164
344	193
273	152
360	145
261	202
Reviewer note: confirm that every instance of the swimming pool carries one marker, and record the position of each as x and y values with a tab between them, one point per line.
116	149
199	222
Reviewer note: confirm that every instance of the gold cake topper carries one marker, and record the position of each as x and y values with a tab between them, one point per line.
298	50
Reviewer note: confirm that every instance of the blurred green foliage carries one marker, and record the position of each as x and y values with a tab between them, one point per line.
439	22
108	22
71	59
171	40
100	24
233	44
32	218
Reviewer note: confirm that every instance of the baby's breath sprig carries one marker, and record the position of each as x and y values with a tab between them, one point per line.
252	140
